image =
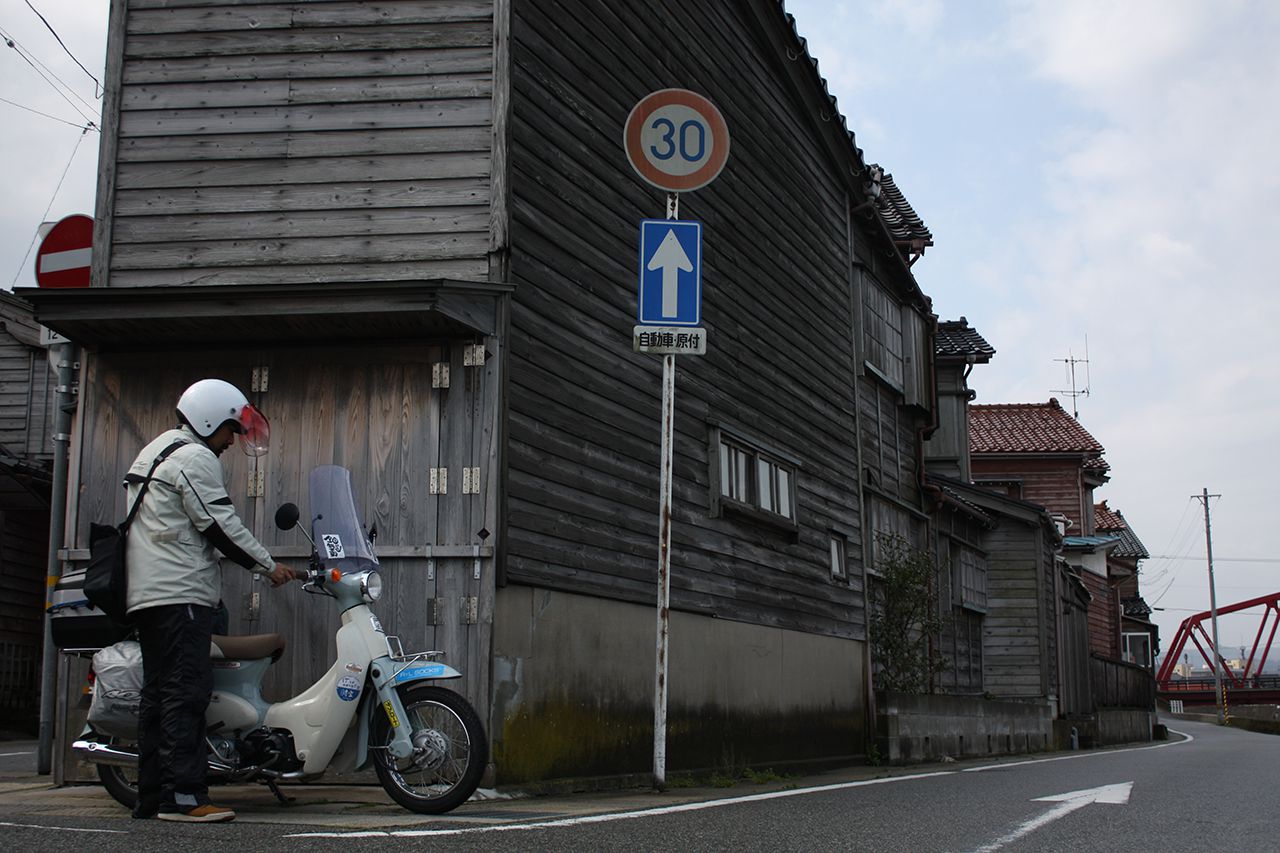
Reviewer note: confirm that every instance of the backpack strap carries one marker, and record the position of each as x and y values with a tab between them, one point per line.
146	482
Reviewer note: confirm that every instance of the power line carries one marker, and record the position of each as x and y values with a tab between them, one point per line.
46	115
27	54
45	215
24	54
96	83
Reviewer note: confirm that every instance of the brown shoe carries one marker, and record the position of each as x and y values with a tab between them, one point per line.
207	813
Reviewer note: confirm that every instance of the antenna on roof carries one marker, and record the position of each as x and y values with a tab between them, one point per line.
1075	393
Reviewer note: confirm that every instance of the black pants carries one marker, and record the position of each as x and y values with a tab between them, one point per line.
177	682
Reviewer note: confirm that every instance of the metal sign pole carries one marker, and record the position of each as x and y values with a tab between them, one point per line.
664	553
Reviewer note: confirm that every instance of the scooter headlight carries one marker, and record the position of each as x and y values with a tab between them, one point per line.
371	586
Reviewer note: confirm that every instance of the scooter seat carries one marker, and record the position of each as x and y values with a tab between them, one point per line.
250	647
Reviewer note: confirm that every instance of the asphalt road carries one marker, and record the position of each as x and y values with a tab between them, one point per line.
1214	791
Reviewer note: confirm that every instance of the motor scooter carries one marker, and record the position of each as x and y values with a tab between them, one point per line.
376	705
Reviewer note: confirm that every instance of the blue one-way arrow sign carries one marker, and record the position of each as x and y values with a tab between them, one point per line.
670	273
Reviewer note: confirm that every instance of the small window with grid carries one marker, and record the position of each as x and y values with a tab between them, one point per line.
753	478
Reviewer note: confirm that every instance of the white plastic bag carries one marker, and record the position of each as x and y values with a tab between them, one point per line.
117	690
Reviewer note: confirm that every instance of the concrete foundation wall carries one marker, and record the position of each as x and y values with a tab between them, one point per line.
573	685
1119	725
922	728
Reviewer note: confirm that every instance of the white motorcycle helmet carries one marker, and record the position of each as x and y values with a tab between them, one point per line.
210	403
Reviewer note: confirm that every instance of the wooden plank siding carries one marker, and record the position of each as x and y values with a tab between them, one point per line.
369	408
777	304
1104	615
1015	665
332	140
1055	484
27	386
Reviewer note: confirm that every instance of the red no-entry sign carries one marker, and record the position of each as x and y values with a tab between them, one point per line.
66	253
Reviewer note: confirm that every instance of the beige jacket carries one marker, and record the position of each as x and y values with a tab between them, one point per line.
185	515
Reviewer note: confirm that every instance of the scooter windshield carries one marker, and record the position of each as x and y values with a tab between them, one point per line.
335	524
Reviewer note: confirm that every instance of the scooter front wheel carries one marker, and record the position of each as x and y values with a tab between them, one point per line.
450	751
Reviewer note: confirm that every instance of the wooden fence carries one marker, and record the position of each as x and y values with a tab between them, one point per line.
1116	684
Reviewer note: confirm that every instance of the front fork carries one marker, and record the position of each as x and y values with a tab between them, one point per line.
382	673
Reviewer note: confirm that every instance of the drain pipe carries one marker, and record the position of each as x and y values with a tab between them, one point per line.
65	404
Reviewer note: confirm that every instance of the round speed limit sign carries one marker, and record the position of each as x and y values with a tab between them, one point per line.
676	140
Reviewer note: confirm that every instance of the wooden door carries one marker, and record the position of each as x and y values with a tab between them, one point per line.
391	415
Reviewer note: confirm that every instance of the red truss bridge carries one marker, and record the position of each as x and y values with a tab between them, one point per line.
1244	688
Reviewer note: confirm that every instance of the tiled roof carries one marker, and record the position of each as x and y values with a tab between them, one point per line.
967	505
1030	428
835	107
1136	608
958	340
909	232
1108	520
905	227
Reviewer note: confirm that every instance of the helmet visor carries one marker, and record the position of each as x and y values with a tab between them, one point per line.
254	431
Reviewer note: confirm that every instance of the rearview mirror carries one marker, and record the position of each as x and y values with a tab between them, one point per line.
287	516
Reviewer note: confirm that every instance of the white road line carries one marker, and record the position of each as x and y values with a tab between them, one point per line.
611	816
1067	803
1073	756
11	754
62	828
709	804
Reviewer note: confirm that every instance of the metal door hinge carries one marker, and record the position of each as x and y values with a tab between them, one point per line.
261	378
471	481
252	606
470	610
473	355
257	483
440	374
439	481
435	607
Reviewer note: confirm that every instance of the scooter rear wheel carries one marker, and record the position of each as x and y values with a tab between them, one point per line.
450	751
121	782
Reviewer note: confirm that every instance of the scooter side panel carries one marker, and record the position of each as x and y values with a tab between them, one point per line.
319	717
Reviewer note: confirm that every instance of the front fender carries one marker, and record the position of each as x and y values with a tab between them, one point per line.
424	672
388	676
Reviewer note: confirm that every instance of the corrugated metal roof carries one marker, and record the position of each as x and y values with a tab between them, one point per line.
1088	541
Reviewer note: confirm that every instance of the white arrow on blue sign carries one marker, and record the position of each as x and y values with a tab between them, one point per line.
670	273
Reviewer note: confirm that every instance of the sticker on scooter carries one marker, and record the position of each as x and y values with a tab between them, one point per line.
333	549
348	688
433	670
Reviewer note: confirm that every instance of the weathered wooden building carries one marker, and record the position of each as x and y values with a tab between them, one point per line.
408	229
1004	580
27	394
1140	637
1040	453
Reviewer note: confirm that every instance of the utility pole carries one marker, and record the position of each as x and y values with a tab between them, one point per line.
1203	497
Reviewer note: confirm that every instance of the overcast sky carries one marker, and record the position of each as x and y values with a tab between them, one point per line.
1092	171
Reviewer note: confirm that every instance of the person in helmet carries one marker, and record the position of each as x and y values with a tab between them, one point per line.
186	517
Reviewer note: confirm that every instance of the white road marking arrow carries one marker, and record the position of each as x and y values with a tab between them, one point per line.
671	259
1117	794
